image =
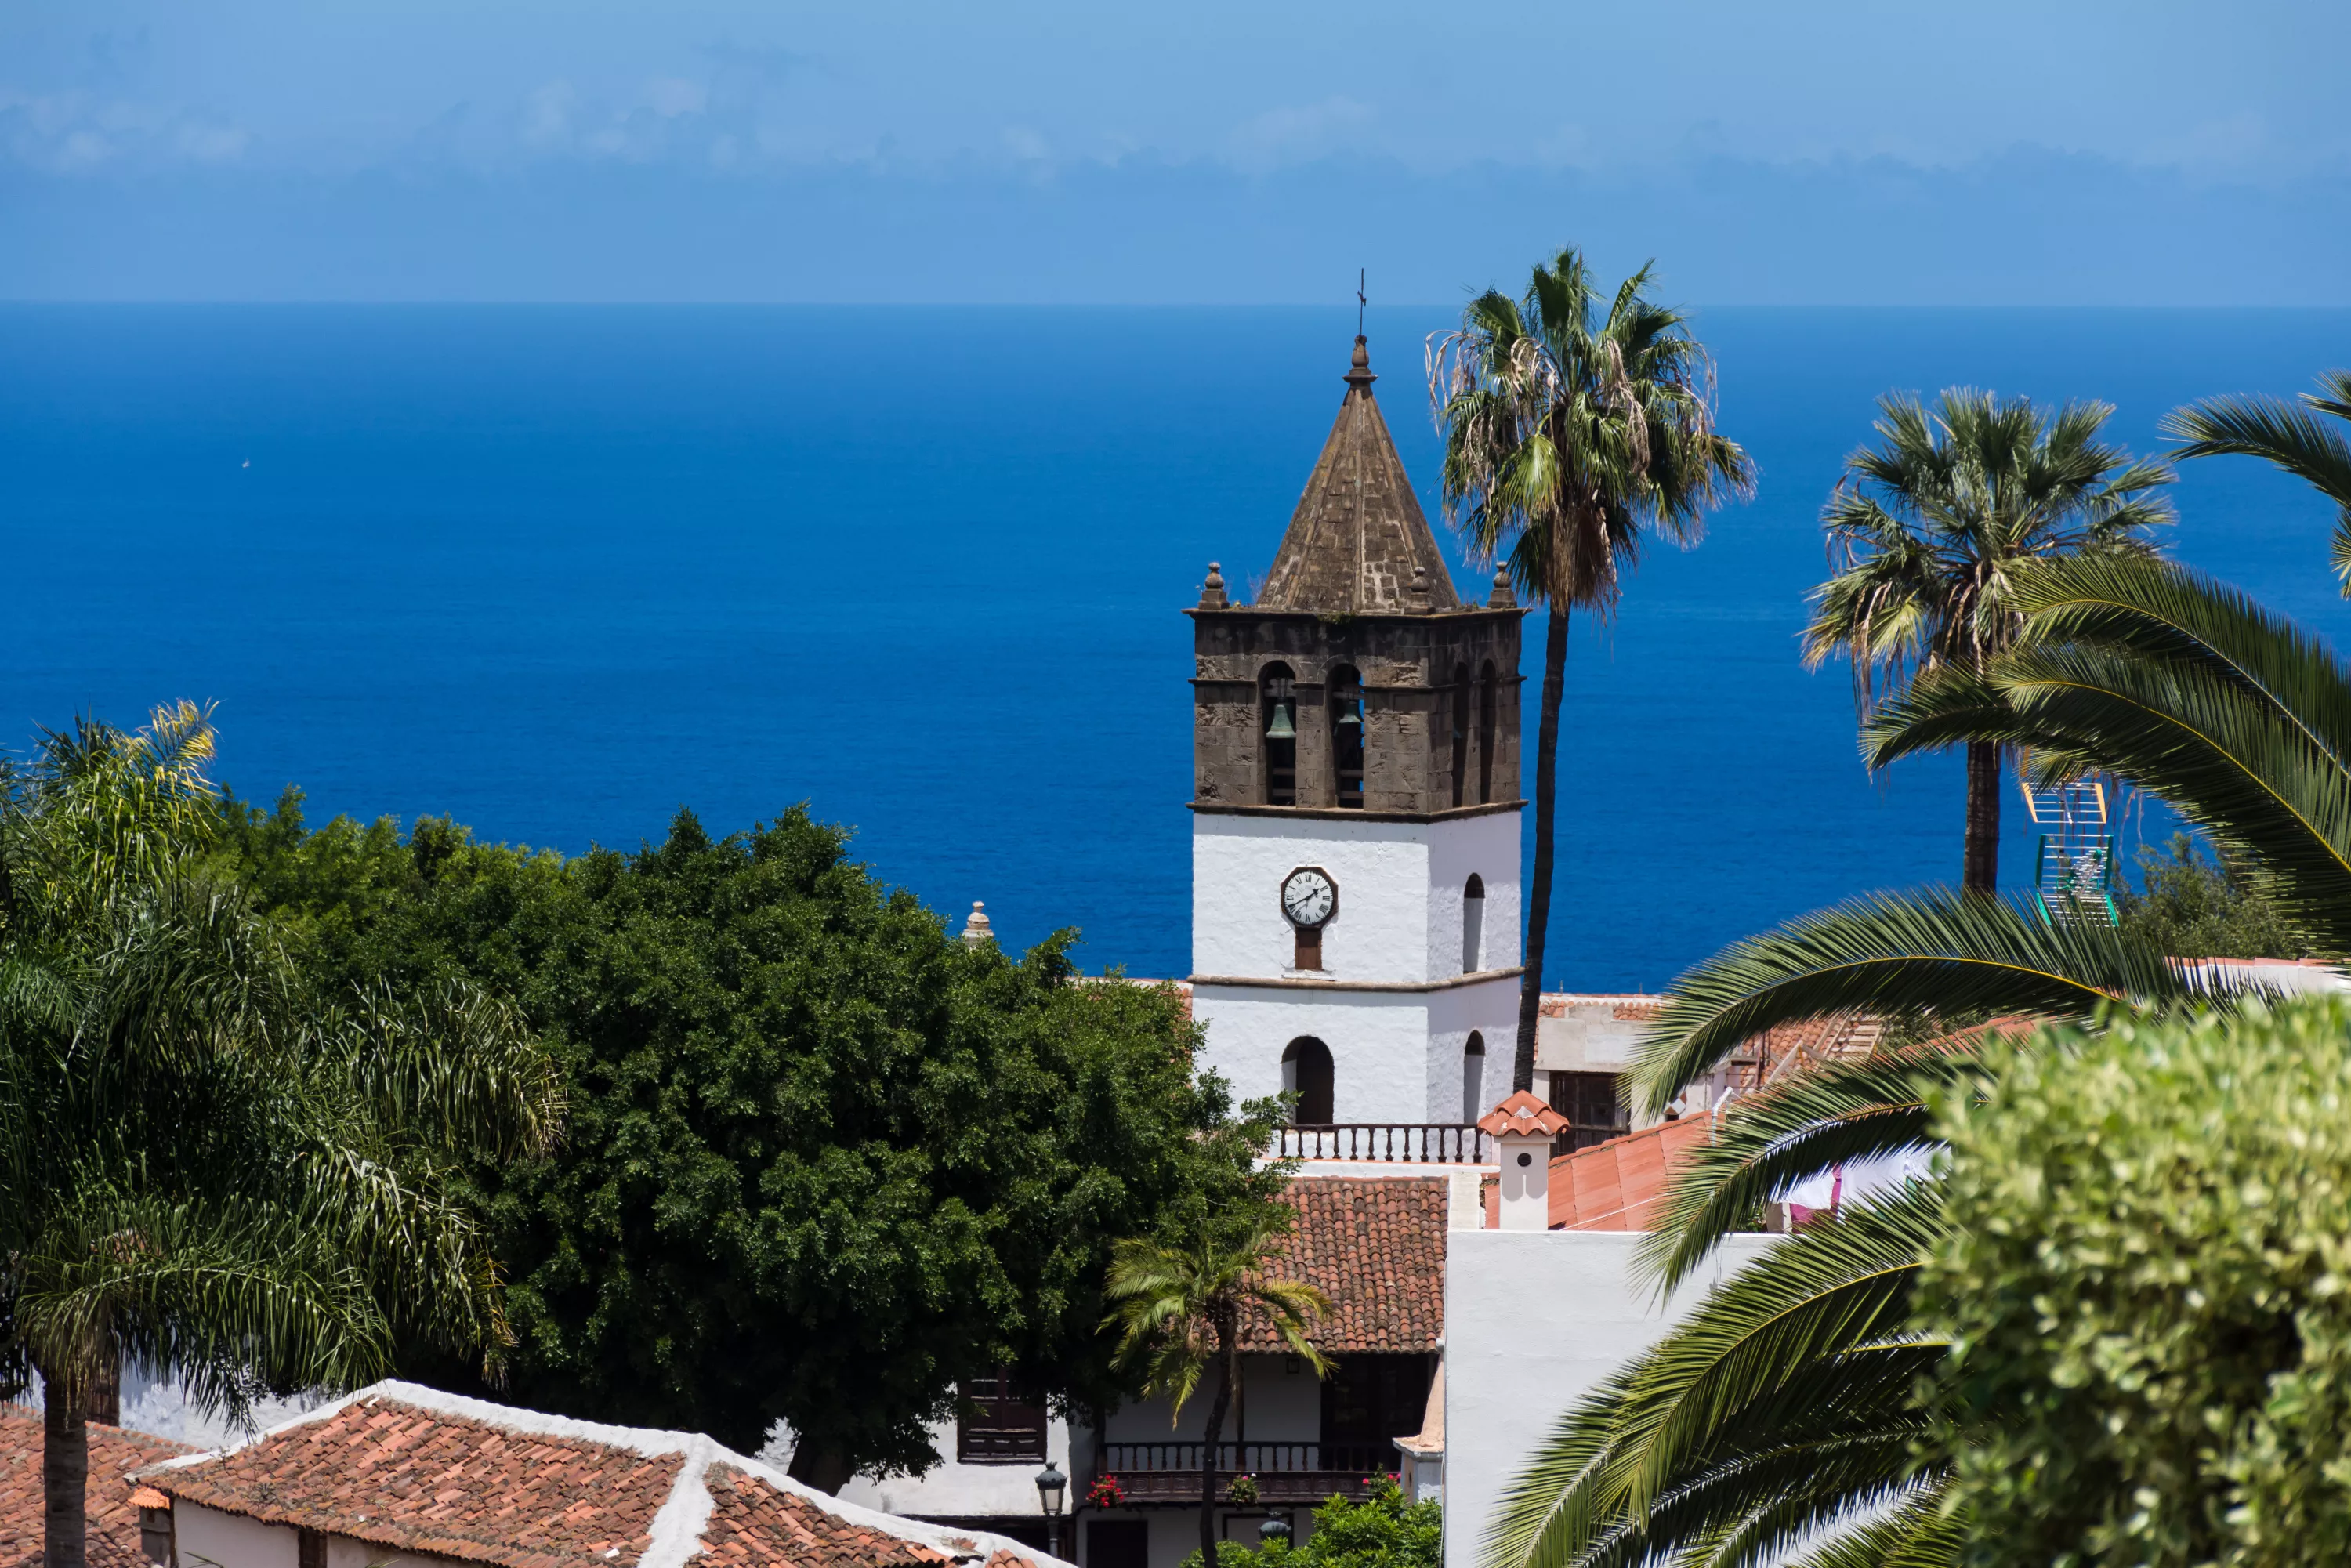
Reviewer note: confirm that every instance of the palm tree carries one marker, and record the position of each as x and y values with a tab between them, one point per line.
1771	1411
203	1169
1574	427
1181	1312
2289	435
1926	529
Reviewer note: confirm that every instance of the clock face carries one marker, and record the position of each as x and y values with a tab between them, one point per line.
1308	896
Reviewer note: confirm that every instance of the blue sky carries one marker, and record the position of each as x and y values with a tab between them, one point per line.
1809	152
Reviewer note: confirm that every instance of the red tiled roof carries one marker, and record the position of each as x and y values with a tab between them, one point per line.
1616	1186
755	1526
418	1479
1375	1245
113	1540
416	1470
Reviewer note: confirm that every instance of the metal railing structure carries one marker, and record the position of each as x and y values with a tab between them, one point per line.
2074	864
1284	1473
1408	1143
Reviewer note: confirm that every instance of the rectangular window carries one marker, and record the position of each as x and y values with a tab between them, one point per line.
1119	1544
309	1549
1000	1424
1368	1402
1594	1115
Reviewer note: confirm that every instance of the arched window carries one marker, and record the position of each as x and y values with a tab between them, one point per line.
1473	925
1347	735
1306	1072
1473	1077
1278	721
1488	698
1460	734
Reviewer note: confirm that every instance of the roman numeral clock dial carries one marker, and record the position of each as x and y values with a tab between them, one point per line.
1309	897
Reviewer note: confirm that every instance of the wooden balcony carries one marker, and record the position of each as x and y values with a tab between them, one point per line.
1405	1143
1287	1474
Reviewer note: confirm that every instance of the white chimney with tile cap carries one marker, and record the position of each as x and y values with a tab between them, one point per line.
1522	1128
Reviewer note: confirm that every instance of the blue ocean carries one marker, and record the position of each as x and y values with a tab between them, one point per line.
558	573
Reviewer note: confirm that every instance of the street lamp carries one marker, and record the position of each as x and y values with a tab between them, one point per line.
1050	1484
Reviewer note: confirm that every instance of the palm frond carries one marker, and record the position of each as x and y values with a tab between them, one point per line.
2290	435
1939	953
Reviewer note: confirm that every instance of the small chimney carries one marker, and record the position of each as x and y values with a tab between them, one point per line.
1522	1128
976	932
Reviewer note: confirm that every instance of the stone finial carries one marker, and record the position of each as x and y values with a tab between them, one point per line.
1212	593
1359	368
1417	595
975	931
1501	598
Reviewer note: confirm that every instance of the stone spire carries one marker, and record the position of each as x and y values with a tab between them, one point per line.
1358	543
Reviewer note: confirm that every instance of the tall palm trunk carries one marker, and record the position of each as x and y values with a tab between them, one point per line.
1523	1061
1979	867
65	1478
1227	1370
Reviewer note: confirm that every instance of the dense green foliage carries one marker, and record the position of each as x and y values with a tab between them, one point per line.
824	1161
2145	1279
1377	1530
214	1164
2192	907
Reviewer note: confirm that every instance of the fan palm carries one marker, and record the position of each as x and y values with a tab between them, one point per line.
1926	530
204	1170
1726	1441
1576	425
1181	1311
2289	434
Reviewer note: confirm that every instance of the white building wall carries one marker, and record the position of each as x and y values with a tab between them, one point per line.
1487	845
1381	929
953	1489
208	1538
1378	1040
1533	1320
1490	1009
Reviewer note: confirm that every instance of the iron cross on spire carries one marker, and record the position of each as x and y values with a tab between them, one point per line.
1360	301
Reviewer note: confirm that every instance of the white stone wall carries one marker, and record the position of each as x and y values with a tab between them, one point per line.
1381	929
953	1490
1379	1044
1490	1009
1487	846
1533	1319
208	1538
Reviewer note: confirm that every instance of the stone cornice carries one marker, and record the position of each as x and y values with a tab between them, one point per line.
1353	813
1288	983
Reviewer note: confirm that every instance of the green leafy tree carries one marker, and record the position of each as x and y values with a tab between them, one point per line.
1180	1309
1377	1530
2142	1273
1926	529
2192	906
2289	434
826	1163
1577	425
207	1166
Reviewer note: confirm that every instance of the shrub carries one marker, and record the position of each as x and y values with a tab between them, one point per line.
1377	1530
2195	907
2145	1291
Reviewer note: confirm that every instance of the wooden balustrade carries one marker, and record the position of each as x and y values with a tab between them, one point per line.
1285	1472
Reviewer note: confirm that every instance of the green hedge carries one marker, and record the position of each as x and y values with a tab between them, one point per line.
2145	1290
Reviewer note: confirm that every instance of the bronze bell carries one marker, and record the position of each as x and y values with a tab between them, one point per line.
1281	729
1351	713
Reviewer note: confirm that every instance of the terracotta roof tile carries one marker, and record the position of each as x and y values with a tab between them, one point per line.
420	1471
1616	1186
1525	1114
755	1525
398	1475
113	1540
1375	1245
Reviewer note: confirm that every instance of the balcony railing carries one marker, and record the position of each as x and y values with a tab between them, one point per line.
1285	1472
1411	1142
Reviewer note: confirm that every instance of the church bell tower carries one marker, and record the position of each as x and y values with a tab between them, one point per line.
1355	807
